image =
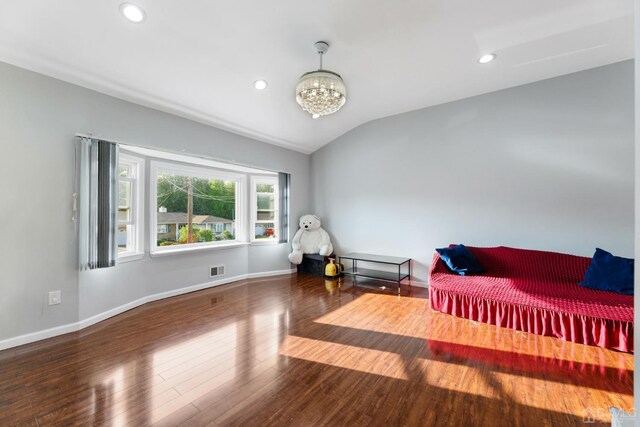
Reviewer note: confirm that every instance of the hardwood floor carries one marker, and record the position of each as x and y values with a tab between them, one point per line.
291	351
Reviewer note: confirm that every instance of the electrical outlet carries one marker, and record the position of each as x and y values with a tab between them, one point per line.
55	297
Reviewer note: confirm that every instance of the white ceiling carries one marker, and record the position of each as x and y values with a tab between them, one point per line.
199	58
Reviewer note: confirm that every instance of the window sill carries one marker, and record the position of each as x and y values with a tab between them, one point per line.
264	243
198	249
130	257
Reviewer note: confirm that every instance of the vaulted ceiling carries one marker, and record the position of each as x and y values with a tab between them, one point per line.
199	58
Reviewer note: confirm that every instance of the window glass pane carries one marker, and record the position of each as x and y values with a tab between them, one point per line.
124	170
266	216
266	201
124	201
265	230
126	238
128	235
264	188
213	209
124	194
122	238
124	215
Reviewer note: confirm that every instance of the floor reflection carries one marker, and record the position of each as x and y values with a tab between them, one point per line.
300	350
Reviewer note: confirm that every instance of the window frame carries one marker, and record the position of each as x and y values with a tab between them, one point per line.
158	166
135	238
269	180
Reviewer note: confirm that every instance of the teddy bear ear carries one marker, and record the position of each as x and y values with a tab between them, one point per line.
316	217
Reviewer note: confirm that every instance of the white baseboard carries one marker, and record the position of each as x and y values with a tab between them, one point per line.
110	313
37	336
272	273
74	327
212	284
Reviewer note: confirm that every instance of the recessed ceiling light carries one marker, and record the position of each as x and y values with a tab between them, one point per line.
260	84
315	116
485	59
132	12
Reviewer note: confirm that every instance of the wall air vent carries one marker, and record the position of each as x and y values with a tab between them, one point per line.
216	271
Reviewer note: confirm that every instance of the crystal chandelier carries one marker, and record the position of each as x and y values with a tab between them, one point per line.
321	92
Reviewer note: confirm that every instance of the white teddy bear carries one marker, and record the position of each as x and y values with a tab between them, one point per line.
310	239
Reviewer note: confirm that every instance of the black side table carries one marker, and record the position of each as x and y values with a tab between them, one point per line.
389	276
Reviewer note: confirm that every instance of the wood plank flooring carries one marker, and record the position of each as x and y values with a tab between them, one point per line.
296	351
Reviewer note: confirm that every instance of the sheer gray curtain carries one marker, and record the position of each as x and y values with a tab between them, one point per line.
98	203
284	184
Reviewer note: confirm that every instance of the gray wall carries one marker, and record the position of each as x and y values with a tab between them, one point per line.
38	119
548	165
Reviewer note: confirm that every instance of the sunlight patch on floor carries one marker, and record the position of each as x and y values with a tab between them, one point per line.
521	390
360	359
369	312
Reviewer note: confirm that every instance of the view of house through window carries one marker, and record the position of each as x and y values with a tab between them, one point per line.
193	209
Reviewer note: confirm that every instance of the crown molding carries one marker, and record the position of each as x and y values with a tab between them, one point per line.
54	69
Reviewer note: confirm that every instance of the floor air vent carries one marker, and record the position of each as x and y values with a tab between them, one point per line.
216	271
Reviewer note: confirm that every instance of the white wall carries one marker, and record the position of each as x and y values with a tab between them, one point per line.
548	165
38	119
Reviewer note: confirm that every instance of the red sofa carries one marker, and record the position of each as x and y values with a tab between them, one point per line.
535	292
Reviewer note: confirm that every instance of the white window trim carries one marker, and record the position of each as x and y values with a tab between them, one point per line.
131	256
255	180
201	172
137	212
174	250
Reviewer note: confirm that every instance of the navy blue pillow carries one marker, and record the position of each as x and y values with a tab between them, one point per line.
609	273
460	261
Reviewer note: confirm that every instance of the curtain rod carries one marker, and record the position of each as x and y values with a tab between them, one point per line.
181	153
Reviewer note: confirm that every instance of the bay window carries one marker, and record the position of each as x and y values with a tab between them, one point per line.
196	203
